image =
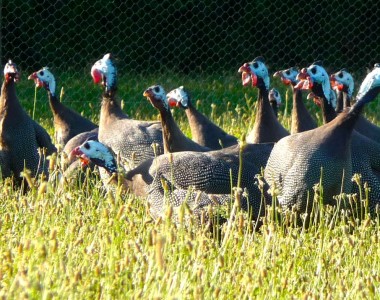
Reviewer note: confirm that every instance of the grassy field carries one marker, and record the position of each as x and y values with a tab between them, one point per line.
78	242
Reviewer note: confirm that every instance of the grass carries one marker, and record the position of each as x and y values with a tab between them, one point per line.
78	242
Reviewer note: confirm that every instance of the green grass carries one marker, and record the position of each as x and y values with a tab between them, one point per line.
78	242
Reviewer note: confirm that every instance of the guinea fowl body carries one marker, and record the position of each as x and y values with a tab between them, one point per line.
300	161
133	140
267	128
203	131
20	136
173	137
67	122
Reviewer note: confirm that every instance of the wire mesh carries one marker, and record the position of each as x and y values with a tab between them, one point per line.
191	38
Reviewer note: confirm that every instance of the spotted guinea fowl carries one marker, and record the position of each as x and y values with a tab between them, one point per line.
344	84
266	128
173	137
133	140
301	118
67	123
205	173
300	161
20	136
203	130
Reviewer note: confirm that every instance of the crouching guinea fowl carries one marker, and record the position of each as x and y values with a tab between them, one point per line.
67	123
20	136
133	140
203	130
300	161
266	128
209	174
173	137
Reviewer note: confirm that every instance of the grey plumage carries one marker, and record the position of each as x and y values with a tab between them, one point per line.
20	136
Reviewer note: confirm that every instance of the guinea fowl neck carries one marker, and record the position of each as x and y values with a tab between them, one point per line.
301	119
110	110
195	117
171	133
328	111
55	105
274	107
8	98
343	101
264	113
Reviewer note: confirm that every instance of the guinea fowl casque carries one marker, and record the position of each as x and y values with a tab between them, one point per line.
20	136
297	162
173	137
67	123
344	84
266	128
203	130
301	118
133	140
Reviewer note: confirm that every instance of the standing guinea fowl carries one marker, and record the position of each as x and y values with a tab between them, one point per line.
133	140
207	173
344	83
203	131
301	118
67	123
300	161
267	128
173	137
20	136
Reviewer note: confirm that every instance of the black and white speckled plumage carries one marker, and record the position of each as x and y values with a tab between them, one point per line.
20	136
301	118
133	140
267	128
173	138
203	130
67	122
296	162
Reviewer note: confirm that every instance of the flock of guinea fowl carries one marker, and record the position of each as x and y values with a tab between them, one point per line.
156	161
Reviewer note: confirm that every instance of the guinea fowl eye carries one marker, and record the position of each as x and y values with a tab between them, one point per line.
340	75
42	73
86	146
255	65
287	72
157	89
313	70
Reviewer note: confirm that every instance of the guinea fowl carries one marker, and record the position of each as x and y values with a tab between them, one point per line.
203	130
206	173
67	123
133	140
344	84
274	98
266	128
300	161
301	118
20	136
174	139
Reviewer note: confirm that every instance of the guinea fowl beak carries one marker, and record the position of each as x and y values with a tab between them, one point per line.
32	76
305	82
247	75
283	79
77	152
37	81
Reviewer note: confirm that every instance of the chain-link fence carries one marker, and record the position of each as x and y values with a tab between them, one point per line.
189	37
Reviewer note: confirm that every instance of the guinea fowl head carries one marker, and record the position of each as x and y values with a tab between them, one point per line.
343	81
255	72
288	76
369	88
97	153
44	78
104	72
11	72
157	97
317	80
178	97
274	96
